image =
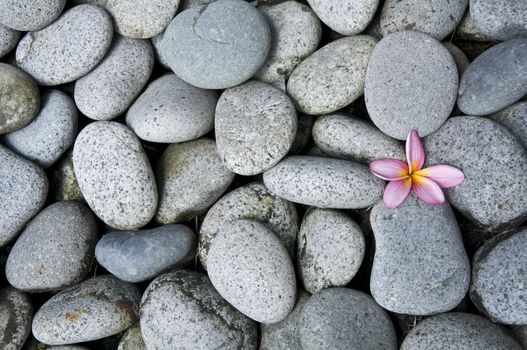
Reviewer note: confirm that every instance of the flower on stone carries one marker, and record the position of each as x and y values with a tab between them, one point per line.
404	177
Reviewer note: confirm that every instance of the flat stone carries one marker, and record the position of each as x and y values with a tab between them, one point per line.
204	319
64	185
97	308
8	39
420	266
68	48
333	76
346	17
462	61
255	202
514	118
495	79
255	125
324	182
341	318
132	339
495	166
114	175
108	90
232	32
500	20
23	16
190	178
50	134
251	269
411	83
170	111
16	313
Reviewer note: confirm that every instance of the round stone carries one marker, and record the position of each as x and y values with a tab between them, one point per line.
114	175
108	90
24	16
64	185
332	77
219	45
411	83
462	61
8	39
132	339
255	125
500	20
346	17
16	313
250	268
514	118
68	48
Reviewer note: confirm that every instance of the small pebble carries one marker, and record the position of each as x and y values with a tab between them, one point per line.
16	313
29	16
500	20
346	17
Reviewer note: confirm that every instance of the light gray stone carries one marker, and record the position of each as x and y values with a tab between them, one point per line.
132	339
459	57
190	178
68	48
346	17
64	185
15	315
170	110
467	29
411	83
249	266
8	39
341	318
500	20
333	76
420	266
114	175
107	91
255	125
97	308
232	32
35	15
514	118
204	319
159	49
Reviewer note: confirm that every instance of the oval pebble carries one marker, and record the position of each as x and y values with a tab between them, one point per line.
250	268
514	118
68	48
346	17
16	313
64	184
114	175
500	20
24	16
132	339
8	39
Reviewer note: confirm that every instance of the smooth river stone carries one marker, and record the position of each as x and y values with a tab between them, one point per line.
16	313
420	266
136	256
29	16
514	118
255	126
114	175
495	79
495	166
55	250
170	111
249	266
500	20
23	190
132	339
411	83
97	308
183	308
324	182
107	91
346	17
333	76
8	39
190	178
50	134
255	202
68	48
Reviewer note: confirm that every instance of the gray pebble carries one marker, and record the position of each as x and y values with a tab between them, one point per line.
500	20
97	308
459	57
324	182
495	166
346	17
341	318
467	29
420	266
255	125
159	50
114	175
68	48
107	91
170	110
190	178
132	339
8	39
64	185
514	118
332	77
219	45
50	134
520	333
255	202
35	15
183	308
16	313
495	79
411	83
251	269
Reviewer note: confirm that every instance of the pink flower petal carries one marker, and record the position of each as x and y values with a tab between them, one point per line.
415	153
427	190
389	169
396	192
444	175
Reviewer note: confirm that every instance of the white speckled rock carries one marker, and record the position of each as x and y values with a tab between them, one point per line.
108	90
35	15
114	175
16	313
255	125
8	39
514	118
170	111
346	17
500	20
324	182
250	268
132	339
462	61
97	308
333	76
68	48
50	134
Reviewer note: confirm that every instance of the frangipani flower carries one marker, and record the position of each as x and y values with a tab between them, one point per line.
404	177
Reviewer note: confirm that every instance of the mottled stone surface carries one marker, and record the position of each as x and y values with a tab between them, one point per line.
132	339
500	20
15	315
514	118
64	186
24	16
346	17
8	39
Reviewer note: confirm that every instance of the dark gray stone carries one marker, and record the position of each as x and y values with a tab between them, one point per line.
500	20
64	186
16	313
514	118
8	39
347	17
24	16
462	61
132	339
